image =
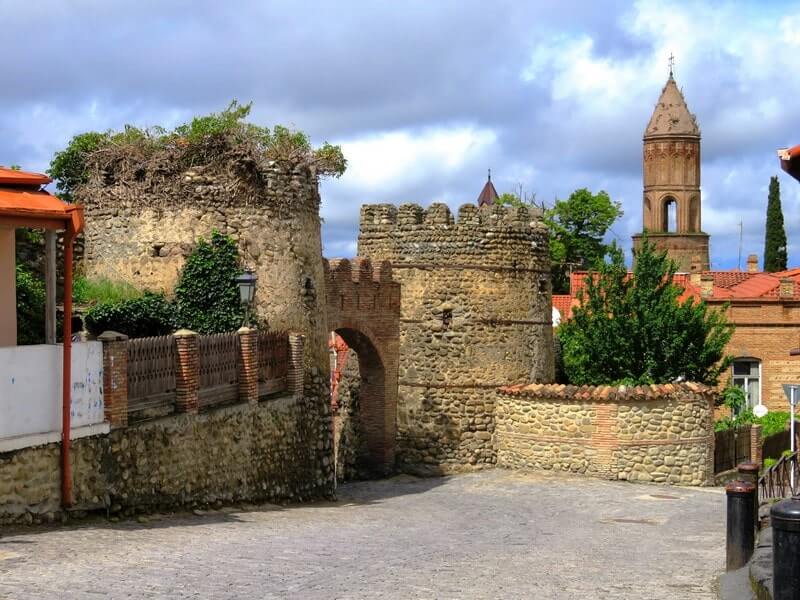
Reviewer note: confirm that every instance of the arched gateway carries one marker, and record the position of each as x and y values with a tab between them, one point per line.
363	308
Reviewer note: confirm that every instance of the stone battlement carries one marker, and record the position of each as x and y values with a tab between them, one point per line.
412	216
356	270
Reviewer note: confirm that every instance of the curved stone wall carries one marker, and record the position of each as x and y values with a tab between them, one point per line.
661	434
475	315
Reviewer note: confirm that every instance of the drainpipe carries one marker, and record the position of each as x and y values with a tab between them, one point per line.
66	403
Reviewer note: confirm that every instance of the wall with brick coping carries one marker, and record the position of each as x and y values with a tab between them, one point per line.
661	434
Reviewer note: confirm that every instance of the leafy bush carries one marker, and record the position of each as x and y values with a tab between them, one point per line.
30	307
102	291
636	329
189	145
771	423
769	462
149	315
207	296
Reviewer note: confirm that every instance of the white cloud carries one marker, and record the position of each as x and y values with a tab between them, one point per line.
391	158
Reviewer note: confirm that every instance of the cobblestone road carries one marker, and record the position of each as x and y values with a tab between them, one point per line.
489	535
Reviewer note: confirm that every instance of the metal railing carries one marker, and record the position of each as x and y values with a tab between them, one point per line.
781	480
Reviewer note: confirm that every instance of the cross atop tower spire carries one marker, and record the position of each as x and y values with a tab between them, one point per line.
671	62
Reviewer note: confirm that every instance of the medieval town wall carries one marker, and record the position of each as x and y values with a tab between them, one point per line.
245	452
475	315
661	433
142	235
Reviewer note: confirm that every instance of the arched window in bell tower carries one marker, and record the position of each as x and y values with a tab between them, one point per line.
669	214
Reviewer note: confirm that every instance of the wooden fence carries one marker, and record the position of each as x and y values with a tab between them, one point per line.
151	375
731	447
219	368
273	361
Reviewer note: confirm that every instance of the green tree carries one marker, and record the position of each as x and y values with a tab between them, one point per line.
577	226
207	296
775	256
636	330
30	307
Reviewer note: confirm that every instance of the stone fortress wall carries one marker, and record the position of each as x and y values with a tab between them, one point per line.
134	234
660	433
143	235
475	315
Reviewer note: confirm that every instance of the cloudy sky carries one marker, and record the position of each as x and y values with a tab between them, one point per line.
425	95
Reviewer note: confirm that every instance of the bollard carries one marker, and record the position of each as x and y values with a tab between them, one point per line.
785	517
748	471
741	533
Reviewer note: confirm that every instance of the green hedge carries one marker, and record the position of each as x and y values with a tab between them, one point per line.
30	307
150	315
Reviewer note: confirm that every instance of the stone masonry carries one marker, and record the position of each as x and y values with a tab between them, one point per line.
475	315
659	433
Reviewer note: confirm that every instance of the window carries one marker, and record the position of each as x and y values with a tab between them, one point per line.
747	377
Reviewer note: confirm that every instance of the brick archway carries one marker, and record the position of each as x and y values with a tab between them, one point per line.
363	307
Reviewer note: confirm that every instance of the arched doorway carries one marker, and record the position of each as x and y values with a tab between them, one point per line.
363	310
363	445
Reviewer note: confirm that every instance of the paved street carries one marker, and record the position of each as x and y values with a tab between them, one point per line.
490	535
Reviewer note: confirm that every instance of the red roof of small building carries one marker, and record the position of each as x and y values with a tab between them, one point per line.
731	286
24	204
15	177
790	161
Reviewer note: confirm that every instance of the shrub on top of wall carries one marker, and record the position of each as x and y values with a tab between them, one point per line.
149	315
207	296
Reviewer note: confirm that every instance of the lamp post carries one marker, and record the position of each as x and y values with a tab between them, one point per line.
247	291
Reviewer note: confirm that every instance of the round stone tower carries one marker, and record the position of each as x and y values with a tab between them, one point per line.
475	314
671	172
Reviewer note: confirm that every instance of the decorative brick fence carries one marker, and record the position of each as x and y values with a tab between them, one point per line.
187	372
658	433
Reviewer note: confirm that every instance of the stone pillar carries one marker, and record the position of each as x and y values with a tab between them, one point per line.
187	374
756	444
115	377
248	365
295	375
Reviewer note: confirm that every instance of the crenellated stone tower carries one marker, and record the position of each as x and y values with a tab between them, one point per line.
475	313
671	169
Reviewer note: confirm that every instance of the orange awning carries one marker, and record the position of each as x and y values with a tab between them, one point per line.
23	204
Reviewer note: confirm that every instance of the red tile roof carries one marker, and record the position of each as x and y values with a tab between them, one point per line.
733	285
23	204
488	195
790	161
14	177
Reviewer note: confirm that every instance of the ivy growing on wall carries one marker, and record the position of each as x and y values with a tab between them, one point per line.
206	296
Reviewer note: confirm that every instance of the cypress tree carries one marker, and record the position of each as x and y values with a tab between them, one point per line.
775	235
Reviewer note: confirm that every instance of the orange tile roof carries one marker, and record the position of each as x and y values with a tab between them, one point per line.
790	161
23	204
730	285
14	177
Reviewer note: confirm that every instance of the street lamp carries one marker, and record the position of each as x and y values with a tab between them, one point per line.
247	291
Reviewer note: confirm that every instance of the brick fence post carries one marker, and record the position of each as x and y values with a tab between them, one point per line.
756	449
115	377
187	373
295	372
248	365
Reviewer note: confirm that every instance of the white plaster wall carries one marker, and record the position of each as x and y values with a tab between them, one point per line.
30	388
8	291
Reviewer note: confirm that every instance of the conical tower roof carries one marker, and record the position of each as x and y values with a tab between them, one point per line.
488	195
671	116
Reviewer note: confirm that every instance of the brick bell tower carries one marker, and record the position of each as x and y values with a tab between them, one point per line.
671	169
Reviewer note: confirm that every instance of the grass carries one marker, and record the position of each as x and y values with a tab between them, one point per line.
102	290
